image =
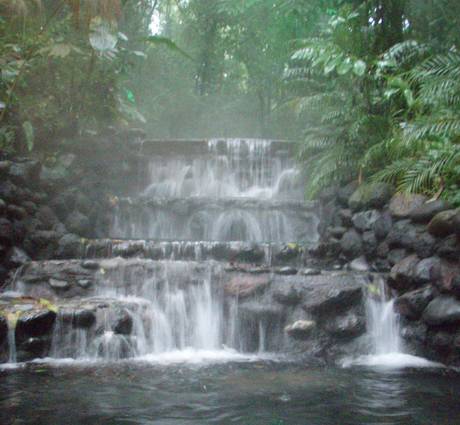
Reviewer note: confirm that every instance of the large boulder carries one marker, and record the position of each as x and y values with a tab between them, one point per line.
383	225
402	275
35	323
443	310
351	244
365	220
403	204
427	270
243	286
444	223
449	248
368	196
412	304
425	212
348	326
402	235
69	246
6	231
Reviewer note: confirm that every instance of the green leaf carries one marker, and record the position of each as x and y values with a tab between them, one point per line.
359	68
29	134
157	40
409	97
345	67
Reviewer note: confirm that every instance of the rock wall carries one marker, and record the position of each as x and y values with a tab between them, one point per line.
415	243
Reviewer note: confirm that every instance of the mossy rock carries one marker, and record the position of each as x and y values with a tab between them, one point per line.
371	195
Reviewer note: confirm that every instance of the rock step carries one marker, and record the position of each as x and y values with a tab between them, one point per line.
270	254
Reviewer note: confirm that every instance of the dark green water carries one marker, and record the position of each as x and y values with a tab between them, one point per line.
254	393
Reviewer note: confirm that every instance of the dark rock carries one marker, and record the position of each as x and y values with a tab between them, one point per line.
383	250
59	284
369	243
123	324
10	193
20	231
425	212
344	193
83	203
441	341
365	220
84	283
78	223
43	238
35	324
301	329
455	286
403	204
427	270
287	295
402	235
443	310
351	244
415	332
288	252
84	318
412	304
254	311
402	274
69	246
30	207
334	247
33	348
368	196
18	257
396	255
449	248
5	167
443	223
383	225
243	286
6	232
16	213
47	217
2	207
90	265
27	171
348	326
286	271
346	216
424	244
337	232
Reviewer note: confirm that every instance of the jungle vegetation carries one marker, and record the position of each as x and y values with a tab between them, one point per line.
369	88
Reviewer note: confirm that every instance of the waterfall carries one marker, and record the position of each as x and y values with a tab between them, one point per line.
11	341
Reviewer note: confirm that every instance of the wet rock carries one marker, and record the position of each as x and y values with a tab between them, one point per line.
33	348
359	264
30	207
412	304
47	217
286	271
59	284
5	167
2	207
288	252
287	296
84	318
18	257
443	223
402	273
424	244
123	325
383	225
346	216
10	193
449	248
84	283
383	250
396	255
443	310
425	212
441	341
368	196
310	271
3	329
6	231
337	232
16	213
301	329
427	270
25	172
78	223
403	204
402	235
348	326
243	286
351	244
35	324
455	286
365	220
369	243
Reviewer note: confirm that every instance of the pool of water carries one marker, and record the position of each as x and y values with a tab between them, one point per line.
222	391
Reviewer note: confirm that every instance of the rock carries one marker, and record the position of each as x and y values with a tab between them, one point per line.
90	265
20	231
348	326
84	318
25	172
351	244
123	325
59	284
83	203
310	271
255	312
449	248
33	348
346	216
30	207
287	296
425	212
402	273
441	341
403	204
423	244
383	225
84	283
34	324
383	250
427	270
6	232
396	255
16	213
327	194
2	207
78	223
365	220
402	235
288	252
5	167
47	217
69	246
455	286
344	193
369	243
368	196
10	193
443	223
54	178
18	257
244	286
338	231
412	304
333	247
300	329
443	310
359	264
286	271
